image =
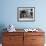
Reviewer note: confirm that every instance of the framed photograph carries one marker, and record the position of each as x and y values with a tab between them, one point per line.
26	14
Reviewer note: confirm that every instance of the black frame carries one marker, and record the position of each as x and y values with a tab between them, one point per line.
26	19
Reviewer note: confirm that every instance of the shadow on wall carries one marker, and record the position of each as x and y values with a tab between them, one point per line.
2	26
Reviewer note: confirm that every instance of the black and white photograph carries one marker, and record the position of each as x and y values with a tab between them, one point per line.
26	13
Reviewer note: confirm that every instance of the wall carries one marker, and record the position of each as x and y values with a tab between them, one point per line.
9	13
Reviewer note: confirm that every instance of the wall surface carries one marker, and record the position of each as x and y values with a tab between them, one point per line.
8	13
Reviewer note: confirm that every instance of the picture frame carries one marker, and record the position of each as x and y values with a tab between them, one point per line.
25	14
